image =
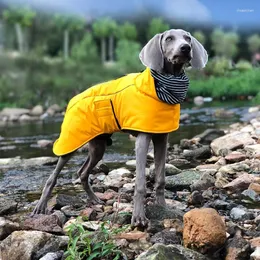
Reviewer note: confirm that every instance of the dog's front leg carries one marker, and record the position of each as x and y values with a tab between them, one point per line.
160	149
141	149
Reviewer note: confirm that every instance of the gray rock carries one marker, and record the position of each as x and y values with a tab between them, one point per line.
256	254
166	237
60	200
231	141
14	112
131	164
24	245
180	163
53	256
203	152
7	227
7	206
157	212
182	180
9	163
250	195
196	199
234	168
209	135
169	170
198	101
238	248
170	252
37	110
206	181
238	213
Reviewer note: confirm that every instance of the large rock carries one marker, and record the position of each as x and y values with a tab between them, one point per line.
47	223
206	181
60	200
14	112
209	135
222	145
170	252
238	248
234	168
7	206
182	180
37	110
256	254
204	230
25	245
7	227
253	149
240	183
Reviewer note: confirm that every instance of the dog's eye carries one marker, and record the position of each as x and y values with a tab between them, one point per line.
170	38
187	38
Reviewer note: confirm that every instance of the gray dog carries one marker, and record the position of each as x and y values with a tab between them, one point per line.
144	104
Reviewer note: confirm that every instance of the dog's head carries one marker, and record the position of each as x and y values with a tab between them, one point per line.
174	46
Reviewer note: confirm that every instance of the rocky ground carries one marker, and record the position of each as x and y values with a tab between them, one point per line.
213	204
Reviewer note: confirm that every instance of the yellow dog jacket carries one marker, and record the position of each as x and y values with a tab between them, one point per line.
127	103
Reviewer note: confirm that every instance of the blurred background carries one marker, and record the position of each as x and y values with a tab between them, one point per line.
52	50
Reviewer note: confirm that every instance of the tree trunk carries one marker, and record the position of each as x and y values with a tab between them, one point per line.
66	44
111	48
1	37
103	50
19	34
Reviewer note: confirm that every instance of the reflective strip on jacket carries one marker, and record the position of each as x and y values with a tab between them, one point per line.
129	102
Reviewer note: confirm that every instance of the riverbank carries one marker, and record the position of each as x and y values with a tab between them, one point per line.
217	170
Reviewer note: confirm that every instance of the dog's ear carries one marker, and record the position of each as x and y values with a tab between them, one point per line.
199	54
151	55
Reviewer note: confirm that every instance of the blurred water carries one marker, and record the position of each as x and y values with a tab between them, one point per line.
21	139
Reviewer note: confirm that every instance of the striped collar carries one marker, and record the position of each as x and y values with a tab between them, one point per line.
169	88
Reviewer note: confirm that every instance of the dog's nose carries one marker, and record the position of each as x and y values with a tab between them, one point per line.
185	48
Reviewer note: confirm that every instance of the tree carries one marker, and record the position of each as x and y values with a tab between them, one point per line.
200	36
224	44
20	17
127	55
113	29
85	50
68	24
101	31
253	43
127	31
156	26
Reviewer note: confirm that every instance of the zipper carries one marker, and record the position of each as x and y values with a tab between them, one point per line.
118	125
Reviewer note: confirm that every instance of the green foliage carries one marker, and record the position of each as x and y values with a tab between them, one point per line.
127	53
85	50
218	66
200	36
234	84
88	245
224	44
253	43
21	15
102	27
69	22
127	31
156	26
256	99
243	65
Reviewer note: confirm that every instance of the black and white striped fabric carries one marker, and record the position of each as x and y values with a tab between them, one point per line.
169	88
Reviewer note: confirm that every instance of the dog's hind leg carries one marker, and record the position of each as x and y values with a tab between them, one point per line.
41	207
160	149
96	150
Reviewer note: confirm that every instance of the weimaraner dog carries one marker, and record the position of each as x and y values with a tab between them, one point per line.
166	53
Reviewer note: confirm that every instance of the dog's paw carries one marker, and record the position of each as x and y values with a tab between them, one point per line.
41	208
139	221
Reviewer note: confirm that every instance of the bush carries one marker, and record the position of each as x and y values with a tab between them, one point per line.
256	99
127	53
243	65
218	66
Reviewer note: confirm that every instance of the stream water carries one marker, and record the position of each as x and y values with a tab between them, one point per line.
21	139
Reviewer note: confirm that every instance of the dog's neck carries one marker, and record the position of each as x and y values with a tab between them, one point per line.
173	69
